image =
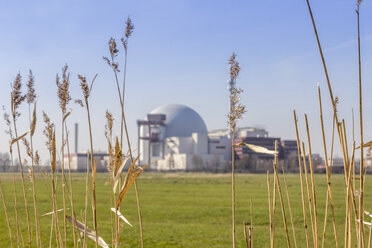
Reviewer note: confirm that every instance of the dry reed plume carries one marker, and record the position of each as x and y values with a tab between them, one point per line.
236	112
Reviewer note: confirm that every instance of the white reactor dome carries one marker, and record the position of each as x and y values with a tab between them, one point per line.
181	121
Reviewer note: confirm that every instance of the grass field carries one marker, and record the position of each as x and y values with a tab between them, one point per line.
185	209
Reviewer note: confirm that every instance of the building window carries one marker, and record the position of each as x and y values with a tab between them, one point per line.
155	150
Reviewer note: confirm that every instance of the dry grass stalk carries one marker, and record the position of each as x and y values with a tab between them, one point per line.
132	173
343	141
327	197
360	235
280	194
289	208
272	238
16	100
90	233
70	182
31	97
10	133
370	233
251	226
310	201
350	198
94	203
128	32
302	182
64	98
114	65
49	132
245	225
112	168
236	112
361	170
312	184
86	93
270	206
6	215
327	169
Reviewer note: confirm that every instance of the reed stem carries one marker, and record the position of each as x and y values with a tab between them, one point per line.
270	206
309	194
280	193
361	170
312	184
6	215
289	208
328	170
70	182
36	211
233	186
23	183
302	182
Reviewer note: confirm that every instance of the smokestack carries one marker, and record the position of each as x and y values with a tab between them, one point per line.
76	137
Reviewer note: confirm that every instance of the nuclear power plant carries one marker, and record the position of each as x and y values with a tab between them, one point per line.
177	139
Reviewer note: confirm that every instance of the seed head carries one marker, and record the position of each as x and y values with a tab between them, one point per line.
237	109
28	147
128	32
31	95
79	102
63	89
48	132
84	86
336	102
129	28
8	124
16	96
112	47
234	66
118	156
37	158
109	124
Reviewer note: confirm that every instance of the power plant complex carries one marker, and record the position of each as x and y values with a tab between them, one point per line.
177	138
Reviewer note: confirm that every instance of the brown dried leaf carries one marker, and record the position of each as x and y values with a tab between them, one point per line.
18	138
121	216
132	174
50	213
90	233
118	173
258	149
368	144
66	115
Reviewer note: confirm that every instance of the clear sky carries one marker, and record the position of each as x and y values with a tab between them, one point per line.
178	54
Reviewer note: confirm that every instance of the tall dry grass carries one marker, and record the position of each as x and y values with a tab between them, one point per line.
236	112
354	229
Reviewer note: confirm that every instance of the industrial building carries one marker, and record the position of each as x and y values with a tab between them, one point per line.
177	138
78	160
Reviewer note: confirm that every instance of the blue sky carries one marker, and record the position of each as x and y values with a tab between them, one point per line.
178	54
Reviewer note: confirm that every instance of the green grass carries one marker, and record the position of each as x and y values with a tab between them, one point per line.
185	210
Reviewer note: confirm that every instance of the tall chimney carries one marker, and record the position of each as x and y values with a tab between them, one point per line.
76	137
